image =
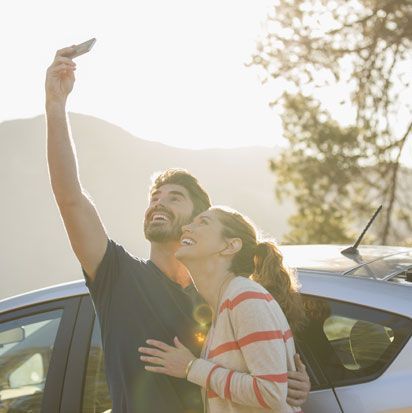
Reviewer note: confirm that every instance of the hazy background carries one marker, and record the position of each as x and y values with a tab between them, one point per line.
169	71
165	85
115	167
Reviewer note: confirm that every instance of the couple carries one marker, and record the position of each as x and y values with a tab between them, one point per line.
137	300
249	347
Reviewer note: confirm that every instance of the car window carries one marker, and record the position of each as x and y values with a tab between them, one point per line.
357	343
353	343
386	267
26	346
96	397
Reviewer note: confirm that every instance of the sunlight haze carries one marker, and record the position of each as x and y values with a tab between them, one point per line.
172	72
166	71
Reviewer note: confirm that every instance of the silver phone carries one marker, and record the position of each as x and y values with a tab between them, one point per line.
82	48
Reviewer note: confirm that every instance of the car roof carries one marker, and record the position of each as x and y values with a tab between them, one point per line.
323	261
328	258
391	297
368	292
55	292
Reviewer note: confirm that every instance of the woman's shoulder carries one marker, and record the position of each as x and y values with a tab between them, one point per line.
245	290
253	302
242	285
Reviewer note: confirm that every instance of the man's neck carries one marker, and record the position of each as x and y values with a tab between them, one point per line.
163	256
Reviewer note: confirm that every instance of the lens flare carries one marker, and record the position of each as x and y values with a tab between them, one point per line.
200	337
202	314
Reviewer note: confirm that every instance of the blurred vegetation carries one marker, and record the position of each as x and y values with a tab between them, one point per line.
339	174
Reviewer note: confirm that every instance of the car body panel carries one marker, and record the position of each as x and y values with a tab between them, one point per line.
375	396
383	295
55	292
322	401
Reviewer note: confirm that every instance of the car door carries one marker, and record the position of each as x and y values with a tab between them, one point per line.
322	398
34	349
86	389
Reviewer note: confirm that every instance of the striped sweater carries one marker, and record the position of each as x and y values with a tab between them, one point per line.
248	351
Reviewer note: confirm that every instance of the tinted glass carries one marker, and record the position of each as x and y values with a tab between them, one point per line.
353	343
26	346
386	267
96	397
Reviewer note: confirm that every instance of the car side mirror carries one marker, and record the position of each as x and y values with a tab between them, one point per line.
14	335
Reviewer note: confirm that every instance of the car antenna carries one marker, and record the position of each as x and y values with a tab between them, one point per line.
353	250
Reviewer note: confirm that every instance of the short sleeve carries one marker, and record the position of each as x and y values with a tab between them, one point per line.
107	274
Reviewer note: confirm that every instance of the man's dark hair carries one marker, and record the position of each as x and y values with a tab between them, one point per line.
178	176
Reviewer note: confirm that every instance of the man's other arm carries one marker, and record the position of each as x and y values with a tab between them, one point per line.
298	384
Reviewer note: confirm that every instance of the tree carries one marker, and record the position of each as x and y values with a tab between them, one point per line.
339	174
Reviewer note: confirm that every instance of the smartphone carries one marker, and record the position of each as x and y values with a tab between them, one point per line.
82	48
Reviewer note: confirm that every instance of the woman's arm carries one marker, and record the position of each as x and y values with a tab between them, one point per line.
262	337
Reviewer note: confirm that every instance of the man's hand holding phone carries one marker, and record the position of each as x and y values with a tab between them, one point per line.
60	74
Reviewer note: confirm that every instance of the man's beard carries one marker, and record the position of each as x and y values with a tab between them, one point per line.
164	231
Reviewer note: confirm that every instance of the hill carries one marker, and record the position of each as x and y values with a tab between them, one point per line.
115	168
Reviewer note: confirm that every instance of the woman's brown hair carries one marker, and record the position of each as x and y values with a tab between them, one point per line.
263	263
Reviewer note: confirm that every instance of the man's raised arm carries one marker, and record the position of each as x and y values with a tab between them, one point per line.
86	232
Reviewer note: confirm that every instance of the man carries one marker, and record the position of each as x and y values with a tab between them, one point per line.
134	299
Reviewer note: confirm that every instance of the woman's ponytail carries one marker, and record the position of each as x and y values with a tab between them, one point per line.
263	263
281	282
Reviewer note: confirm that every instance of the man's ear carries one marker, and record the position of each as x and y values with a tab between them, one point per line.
234	245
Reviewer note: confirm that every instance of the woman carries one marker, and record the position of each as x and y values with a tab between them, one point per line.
249	348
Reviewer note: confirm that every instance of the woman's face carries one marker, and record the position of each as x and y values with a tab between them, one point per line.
202	238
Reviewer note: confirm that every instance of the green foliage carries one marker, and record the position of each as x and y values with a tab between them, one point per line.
320	171
339	175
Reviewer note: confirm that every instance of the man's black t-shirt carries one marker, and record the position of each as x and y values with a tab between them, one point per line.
135	301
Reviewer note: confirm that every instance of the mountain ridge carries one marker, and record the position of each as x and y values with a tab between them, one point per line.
115	168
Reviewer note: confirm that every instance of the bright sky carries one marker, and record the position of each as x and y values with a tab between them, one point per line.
169	71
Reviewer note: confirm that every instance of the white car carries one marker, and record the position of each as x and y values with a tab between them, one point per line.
356	345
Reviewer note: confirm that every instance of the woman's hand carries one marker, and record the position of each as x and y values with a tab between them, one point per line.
169	360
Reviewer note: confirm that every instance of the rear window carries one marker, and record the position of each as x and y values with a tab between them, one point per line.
353	343
386	267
